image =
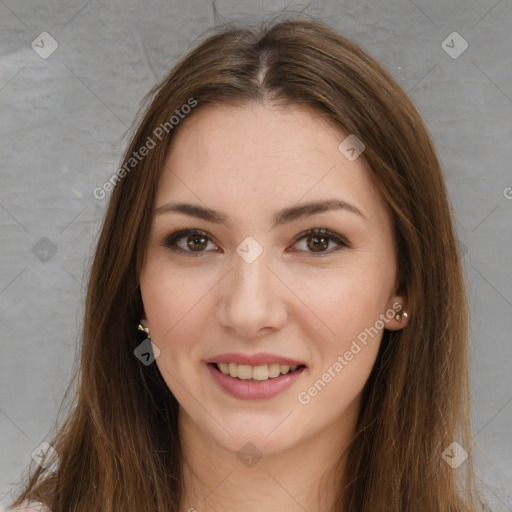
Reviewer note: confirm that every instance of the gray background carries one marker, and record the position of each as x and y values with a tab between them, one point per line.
64	123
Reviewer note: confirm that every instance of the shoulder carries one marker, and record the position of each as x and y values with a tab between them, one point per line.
30	506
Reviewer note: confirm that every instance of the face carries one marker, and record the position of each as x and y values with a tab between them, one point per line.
249	281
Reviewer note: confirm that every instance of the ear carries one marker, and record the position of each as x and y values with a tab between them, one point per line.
397	312
143	320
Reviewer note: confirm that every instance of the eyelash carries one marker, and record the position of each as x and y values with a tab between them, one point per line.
171	239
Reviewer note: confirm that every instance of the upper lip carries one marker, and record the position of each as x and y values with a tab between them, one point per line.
253	359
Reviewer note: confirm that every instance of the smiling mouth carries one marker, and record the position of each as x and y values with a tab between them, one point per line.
259	373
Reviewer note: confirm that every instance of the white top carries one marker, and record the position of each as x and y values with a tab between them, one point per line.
32	506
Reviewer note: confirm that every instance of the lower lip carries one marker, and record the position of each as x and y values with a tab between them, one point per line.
252	390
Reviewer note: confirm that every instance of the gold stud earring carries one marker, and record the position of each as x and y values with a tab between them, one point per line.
140	327
398	316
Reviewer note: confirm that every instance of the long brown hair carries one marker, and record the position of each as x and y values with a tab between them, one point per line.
119	447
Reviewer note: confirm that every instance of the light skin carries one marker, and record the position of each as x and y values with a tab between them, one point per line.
248	162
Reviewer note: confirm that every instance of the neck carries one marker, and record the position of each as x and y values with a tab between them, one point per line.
308	476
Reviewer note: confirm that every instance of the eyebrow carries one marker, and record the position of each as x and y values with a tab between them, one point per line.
283	216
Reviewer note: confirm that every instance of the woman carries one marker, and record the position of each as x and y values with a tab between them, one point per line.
281	237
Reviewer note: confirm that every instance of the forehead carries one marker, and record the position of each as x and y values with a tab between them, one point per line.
281	136
257	156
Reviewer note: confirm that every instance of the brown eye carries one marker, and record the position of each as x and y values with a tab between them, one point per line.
317	241
197	242
191	242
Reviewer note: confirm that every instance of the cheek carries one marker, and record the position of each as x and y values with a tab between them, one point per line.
344	303
346	348
346	332
170	296
175	307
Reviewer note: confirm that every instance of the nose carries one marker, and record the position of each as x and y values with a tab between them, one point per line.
253	302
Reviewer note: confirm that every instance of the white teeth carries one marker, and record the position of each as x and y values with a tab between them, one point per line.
274	370
260	372
244	371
